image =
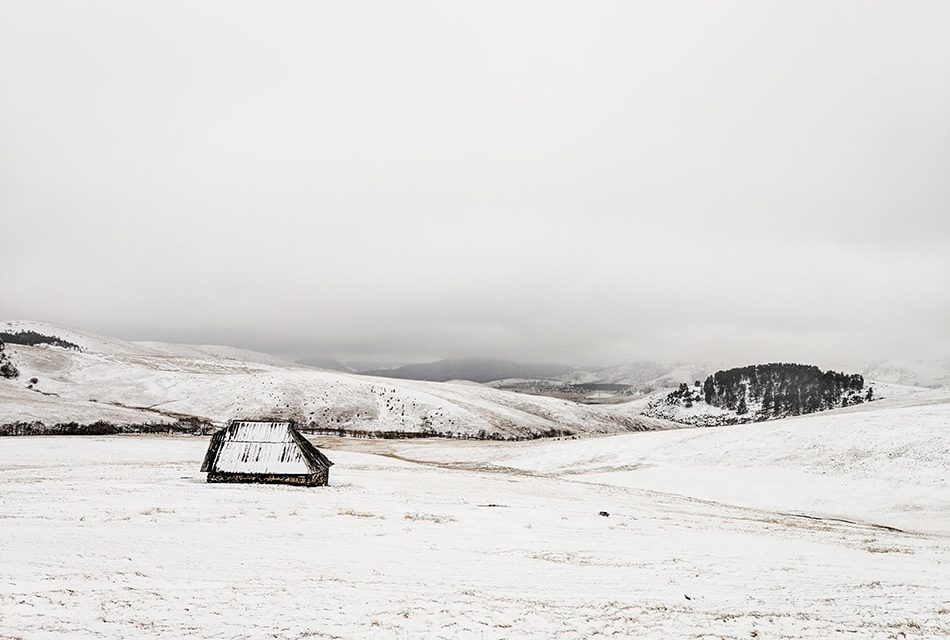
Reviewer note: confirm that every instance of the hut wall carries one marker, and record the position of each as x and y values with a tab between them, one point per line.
318	479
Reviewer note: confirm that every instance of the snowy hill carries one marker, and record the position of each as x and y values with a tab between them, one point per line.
157	382
669	405
216	352
90	342
755	393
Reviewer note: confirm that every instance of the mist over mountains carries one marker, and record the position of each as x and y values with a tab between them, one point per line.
640	377
473	369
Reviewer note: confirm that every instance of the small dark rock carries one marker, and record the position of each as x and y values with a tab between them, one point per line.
604	514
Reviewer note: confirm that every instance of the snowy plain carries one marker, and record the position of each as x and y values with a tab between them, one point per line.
119	536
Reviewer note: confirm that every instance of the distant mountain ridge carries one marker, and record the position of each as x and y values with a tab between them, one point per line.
932	373
474	369
330	364
638	376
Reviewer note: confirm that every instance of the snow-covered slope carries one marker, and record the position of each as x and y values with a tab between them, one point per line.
21	405
886	462
159	379
86	340
217	352
95	343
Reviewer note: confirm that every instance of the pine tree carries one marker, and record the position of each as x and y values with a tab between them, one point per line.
742	408
767	400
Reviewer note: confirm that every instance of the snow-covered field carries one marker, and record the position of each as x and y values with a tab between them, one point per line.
886	462
833	525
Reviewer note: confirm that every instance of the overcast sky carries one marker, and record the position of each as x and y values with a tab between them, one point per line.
585	182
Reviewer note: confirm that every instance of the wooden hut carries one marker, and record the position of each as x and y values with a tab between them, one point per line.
264	452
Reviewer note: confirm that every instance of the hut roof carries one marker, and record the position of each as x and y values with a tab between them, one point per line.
257	447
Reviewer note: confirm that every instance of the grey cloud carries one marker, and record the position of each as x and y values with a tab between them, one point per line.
552	181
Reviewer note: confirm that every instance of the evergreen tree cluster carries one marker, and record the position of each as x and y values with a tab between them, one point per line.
7	368
684	395
783	389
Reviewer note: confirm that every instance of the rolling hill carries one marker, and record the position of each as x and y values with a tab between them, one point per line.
147	382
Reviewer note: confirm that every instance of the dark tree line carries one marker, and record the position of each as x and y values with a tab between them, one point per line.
192	426
482	434
32	338
783	389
